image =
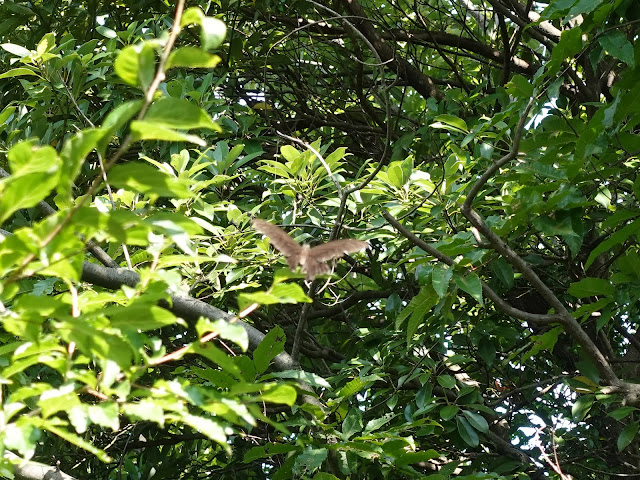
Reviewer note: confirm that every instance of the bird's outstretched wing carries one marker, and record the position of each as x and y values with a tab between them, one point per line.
280	240
336	249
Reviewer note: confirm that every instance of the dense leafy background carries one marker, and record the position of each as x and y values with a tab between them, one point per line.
486	150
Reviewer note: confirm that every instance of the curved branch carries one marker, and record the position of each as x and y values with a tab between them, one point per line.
571	326
505	307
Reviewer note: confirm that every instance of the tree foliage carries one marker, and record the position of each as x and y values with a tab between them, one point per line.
486	151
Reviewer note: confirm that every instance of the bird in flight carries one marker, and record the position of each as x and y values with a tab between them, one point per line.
312	260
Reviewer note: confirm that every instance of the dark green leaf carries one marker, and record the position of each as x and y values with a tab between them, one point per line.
352	423
440	278
476	420
270	346
627	435
471	284
616	44
582	406
467	432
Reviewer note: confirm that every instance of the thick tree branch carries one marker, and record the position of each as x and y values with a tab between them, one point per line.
183	306
36	470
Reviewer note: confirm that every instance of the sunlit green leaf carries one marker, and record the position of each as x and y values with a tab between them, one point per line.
144	178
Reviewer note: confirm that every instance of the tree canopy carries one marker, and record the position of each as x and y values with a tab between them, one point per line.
486	151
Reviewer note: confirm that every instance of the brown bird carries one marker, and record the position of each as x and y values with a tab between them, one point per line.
312	260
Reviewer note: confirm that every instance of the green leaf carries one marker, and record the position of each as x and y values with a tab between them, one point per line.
584	6
279	293
467	432
582	406
504	272
6	113
192	57
397	175
116	120
546	341
351	388
140	316
106	31
224	329
141	130
471	284
210	428
143	178
18	72
618	237
476	420
146	66
408	458
289	153
46	44
16	50
487	351
191	15
352	423
569	45
440	278
270	346
180	114
103	345
376	423
218	357
324	476
75	151
519	87
31	165
212	32
446	381
622	412
105	414
616	44
284	394
126	65
627	435
450	122
418	307
448	412
591	287
74	439
309	461
21	436
301	376
145	410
